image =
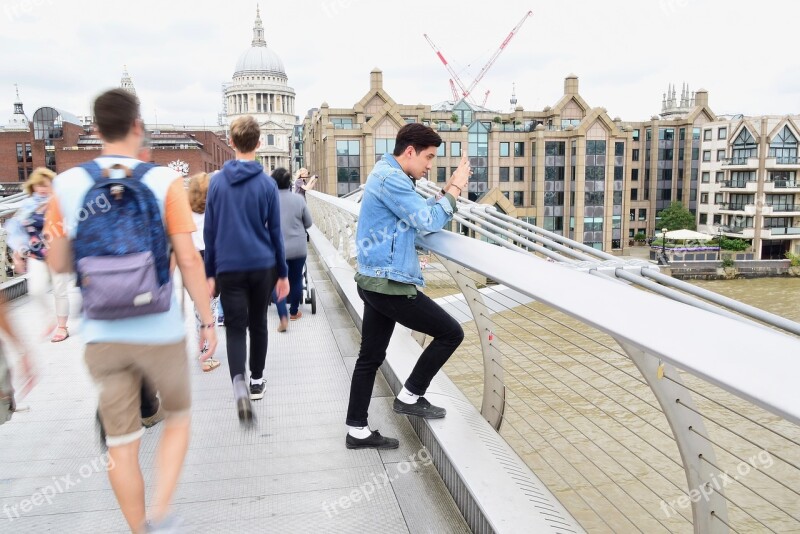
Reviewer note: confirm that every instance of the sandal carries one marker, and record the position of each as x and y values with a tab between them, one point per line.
58	336
210	364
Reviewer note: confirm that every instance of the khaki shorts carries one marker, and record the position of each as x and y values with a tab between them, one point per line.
118	370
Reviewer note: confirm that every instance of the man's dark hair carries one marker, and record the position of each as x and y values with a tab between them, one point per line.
115	111
282	177
417	135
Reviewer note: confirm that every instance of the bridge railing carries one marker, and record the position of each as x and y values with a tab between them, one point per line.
643	403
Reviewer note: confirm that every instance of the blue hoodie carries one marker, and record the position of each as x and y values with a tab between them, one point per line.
242	229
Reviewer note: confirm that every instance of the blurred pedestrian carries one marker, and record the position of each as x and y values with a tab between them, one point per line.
198	191
295	220
245	258
118	218
26	239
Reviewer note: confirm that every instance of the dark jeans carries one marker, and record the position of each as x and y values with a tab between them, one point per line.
295	287
381	312
245	297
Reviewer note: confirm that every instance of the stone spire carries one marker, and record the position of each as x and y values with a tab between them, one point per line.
126	82
258	30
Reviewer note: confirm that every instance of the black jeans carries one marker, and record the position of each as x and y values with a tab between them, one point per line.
381	312
245	297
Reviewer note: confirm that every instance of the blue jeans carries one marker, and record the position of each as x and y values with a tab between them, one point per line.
295	266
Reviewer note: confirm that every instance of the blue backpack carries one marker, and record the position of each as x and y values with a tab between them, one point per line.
121	248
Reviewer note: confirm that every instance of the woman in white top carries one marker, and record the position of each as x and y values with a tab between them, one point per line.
198	191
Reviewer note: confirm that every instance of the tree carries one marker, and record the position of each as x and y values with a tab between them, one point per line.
676	217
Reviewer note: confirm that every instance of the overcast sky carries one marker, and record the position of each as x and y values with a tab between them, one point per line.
625	52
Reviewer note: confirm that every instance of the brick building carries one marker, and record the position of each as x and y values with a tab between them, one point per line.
59	141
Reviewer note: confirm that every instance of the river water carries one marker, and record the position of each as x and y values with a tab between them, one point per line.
580	415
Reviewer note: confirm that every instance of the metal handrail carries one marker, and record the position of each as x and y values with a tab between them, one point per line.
725	362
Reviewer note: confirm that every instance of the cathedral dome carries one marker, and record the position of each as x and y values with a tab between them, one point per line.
258	59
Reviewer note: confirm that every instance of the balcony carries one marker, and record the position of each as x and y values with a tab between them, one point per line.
791	232
783	161
784	209
741	162
735	206
739	184
782	185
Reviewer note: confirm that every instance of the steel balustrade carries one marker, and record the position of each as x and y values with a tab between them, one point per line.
693	380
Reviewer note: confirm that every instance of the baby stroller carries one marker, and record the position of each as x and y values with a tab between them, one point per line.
309	293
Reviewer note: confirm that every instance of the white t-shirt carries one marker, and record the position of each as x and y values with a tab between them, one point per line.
197	237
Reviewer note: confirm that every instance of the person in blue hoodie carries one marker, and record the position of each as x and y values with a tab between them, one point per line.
244	258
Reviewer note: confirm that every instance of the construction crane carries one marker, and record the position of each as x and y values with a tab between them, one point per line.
454	79
466	91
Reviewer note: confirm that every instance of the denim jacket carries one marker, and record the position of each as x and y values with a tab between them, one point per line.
392	214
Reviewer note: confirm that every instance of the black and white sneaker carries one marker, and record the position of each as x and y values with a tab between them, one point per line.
374	441
421	408
257	391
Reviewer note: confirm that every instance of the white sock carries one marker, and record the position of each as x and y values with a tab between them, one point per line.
359	432
407	397
257	382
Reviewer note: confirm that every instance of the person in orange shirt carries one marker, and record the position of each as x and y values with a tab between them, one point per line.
121	353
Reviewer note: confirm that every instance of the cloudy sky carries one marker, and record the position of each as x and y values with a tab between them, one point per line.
625	52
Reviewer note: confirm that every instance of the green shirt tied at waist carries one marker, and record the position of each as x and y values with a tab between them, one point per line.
392	287
385	286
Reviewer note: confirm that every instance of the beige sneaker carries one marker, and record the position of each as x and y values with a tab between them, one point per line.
284	324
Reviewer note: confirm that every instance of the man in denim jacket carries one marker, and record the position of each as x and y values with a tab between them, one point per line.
388	272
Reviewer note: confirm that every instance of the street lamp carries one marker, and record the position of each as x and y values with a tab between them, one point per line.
664	243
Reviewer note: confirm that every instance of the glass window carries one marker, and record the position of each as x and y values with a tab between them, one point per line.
666	134
504	150
519	174
706	177
707	135
636	134
634	194
553	198
383	146
634	175
784	147
441	174
706	155
682	134
519	198
341	123
722	133
441	150
19	153
455	149
720	177
703	218
642	214
635	154
695	154
478	151
648	134
619	149
348	166
744	146
28	153
504	174
519	149
632	215
695	134
720	154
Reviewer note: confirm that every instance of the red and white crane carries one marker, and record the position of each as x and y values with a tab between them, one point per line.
466	91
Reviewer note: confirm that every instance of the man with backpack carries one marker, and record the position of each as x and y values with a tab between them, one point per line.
120	219
245	258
